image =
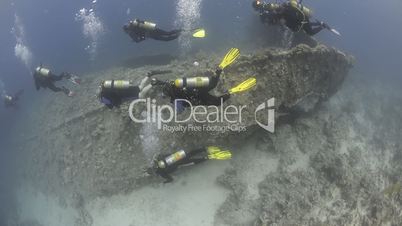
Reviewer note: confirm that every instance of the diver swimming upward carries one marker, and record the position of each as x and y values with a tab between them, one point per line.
292	14
11	100
44	78
140	30
113	92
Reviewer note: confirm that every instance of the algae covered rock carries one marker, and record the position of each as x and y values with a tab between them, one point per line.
100	152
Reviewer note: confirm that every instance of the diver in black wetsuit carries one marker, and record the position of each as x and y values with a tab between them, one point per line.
11	100
140	30
113	92
45	78
164	165
292	14
195	90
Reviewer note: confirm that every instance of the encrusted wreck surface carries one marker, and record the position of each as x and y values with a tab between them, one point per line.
86	147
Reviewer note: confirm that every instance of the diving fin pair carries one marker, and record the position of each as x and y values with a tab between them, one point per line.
244	86
217	154
199	33
229	58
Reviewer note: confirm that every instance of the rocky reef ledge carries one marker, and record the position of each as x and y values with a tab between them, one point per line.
79	145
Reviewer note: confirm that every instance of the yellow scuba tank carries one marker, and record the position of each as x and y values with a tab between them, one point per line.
146	25
271	6
175	157
8	98
149	26
116	84
194	82
43	71
304	10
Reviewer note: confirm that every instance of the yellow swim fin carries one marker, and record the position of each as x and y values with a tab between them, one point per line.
229	58
220	155
199	33
244	86
213	149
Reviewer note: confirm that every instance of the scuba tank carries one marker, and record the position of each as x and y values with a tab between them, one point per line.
116	84
271	6
194	82
42	71
173	158
307	13
8	98
144	25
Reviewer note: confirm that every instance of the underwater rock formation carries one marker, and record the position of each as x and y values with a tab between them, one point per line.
339	166
294	77
88	148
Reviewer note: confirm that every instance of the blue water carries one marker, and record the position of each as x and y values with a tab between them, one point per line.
369	28
371	31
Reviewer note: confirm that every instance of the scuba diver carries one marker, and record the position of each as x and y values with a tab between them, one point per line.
140	30
11	100
164	165
292	14
113	92
196	89
45	78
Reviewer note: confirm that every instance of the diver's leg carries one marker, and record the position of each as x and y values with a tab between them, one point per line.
56	89
172	35
213	80
144	91
175	32
308	28
55	78
66	75
193	160
162	35
195	152
198	160
165	38
197	156
211	100
18	94
144	82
